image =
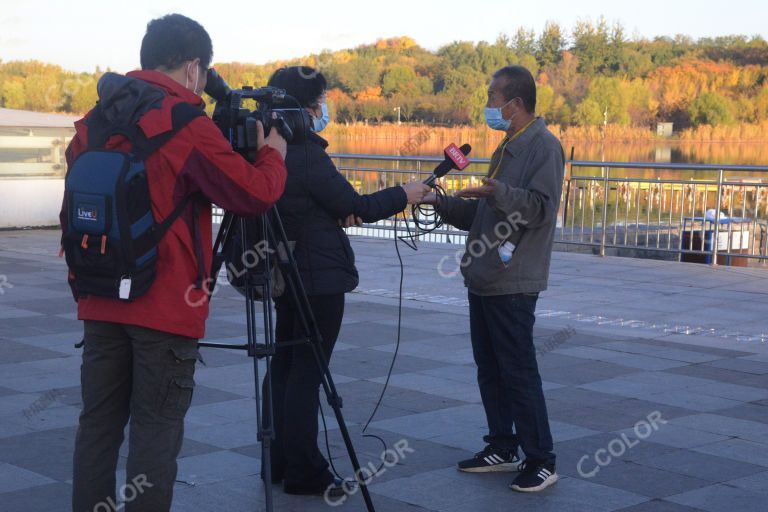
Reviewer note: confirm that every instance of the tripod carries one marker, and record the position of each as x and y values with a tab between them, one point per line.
259	286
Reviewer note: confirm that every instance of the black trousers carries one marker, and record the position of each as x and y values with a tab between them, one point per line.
501	328
296	379
147	376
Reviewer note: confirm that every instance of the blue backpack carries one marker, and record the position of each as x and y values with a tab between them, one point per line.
111	236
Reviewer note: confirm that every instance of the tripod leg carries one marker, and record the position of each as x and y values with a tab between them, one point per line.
314	338
222	241
266	418
264	423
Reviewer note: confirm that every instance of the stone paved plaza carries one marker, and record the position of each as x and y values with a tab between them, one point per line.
655	373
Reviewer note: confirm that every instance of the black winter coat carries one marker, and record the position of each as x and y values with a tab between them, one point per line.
316	197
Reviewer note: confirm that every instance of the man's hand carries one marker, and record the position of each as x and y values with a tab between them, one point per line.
430	198
351	220
275	140
415	191
487	189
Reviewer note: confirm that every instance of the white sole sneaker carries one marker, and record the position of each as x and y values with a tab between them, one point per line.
543	485
505	467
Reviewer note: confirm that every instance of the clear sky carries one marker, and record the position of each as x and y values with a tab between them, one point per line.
81	34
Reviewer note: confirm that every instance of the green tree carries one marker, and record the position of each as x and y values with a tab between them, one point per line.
524	42
745	110
402	79
642	107
463	79
598	47
712	108
761	104
550	45
611	96
545	98
588	113
358	74
634	62
529	62
590	45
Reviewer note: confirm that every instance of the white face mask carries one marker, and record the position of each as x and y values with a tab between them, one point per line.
319	123
197	79
495	119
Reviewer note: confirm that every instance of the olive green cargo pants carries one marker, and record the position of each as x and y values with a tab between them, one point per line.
145	376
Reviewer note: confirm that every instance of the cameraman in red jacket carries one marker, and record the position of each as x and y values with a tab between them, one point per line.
139	357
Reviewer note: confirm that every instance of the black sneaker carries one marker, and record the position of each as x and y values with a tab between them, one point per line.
489	460
534	477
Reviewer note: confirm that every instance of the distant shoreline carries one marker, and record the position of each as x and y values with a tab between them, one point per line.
704	134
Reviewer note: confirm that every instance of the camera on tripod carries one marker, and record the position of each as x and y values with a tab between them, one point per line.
275	109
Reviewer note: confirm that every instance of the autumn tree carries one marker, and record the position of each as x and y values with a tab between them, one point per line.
13	92
597	69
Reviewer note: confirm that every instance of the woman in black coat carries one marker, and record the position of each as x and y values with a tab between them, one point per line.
317	201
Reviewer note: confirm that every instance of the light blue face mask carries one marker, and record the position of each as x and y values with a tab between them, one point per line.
495	119
319	124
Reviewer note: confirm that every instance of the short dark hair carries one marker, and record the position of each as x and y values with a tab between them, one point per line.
520	84
174	39
302	82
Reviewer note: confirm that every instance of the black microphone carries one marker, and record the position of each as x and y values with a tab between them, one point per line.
455	158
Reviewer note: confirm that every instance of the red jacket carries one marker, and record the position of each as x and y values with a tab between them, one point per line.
198	159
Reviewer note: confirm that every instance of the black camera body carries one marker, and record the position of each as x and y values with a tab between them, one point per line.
274	110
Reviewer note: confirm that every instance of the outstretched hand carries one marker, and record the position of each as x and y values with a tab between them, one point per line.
415	191
487	189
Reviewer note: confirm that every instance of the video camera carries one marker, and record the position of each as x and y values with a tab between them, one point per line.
275	109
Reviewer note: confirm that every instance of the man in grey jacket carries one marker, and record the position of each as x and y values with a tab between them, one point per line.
511	222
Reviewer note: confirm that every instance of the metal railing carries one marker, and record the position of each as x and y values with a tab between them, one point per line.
671	217
718	215
600	211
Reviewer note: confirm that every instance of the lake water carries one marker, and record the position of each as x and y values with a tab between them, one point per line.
726	153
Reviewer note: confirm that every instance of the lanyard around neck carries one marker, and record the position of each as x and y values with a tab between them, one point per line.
505	143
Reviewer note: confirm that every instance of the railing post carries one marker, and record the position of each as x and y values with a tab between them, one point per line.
603	227
716	234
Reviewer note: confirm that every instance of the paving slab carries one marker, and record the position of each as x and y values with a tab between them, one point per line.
638	345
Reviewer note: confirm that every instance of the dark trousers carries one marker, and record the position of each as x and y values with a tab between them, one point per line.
296	378
510	386
147	376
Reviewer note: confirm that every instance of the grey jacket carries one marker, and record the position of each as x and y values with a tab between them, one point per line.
523	212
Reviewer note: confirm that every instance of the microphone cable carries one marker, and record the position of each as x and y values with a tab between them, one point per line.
427	220
364	434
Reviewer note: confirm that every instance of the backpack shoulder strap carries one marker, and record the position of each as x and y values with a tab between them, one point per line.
181	115
100	130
